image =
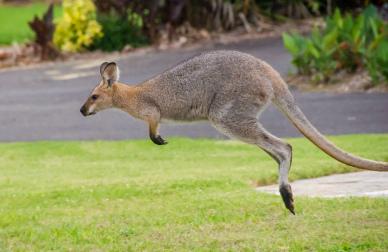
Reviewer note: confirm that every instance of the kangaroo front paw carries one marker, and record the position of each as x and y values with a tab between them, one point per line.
286	193
158	140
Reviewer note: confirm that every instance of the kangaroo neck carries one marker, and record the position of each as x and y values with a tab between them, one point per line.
123	96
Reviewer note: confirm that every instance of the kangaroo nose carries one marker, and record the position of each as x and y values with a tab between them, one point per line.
83	110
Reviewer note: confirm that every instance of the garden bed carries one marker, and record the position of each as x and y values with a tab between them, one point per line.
349	53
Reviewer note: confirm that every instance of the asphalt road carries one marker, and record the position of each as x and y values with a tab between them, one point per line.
42	103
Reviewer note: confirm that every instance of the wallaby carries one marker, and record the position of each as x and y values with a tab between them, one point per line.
228	88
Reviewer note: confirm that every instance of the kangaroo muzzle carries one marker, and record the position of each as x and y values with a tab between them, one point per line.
85	111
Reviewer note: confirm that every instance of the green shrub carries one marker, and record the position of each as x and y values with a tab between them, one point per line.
119	32
346	43
78	28
312	56
377	62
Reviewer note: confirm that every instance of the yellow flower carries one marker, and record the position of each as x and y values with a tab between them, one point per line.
78	28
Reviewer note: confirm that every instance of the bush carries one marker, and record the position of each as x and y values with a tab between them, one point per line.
346	43
119	32
78	28
377	63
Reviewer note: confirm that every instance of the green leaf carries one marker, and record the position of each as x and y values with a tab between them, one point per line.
290	43
373	25
330	39
313	50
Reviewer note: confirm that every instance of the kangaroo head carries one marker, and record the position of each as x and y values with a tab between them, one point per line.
101	96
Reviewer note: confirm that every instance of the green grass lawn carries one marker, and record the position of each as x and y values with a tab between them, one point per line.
190	195
14	21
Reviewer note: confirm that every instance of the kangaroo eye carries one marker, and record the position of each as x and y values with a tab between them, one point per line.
94	97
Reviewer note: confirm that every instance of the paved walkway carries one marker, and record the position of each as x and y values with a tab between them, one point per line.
368	183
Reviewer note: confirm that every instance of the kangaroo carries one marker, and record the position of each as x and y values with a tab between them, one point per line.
228	88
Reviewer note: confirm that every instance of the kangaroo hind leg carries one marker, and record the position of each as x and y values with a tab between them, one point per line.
281	152
249	130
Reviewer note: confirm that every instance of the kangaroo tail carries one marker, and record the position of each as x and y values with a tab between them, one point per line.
288	106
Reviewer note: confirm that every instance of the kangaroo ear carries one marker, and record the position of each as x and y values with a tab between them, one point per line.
102	67
109	73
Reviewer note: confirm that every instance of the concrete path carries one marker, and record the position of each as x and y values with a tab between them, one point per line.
42	103
368	183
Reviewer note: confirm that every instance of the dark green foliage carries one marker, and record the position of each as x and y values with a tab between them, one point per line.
289	8
346	43
119	32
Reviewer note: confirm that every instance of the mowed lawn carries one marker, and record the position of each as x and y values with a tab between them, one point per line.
189	195
14	21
